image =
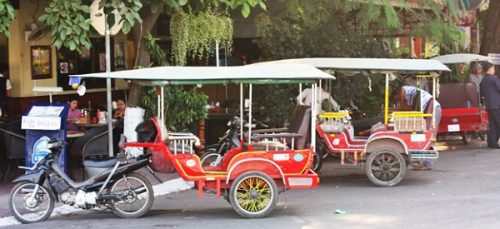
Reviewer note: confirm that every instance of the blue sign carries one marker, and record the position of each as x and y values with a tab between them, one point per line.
40	149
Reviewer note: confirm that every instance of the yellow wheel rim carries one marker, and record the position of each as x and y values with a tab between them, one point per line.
254	194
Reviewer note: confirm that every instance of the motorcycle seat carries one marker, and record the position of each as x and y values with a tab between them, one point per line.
100	164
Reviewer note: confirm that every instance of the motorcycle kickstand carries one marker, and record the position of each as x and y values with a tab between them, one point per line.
153	173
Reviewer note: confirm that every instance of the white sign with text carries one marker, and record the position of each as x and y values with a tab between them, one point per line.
40	123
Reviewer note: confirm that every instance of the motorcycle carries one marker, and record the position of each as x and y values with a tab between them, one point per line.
112	183
214	154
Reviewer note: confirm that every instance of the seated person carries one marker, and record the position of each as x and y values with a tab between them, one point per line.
74	114
306	98
120	110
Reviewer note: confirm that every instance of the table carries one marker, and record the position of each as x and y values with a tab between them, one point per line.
90	125
74	134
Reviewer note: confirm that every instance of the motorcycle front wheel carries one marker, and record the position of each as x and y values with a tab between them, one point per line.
135	194
30	202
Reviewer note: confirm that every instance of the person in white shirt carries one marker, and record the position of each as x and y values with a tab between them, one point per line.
306	98
476	75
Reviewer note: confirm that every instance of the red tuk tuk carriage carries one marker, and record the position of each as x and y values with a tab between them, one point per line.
463	113
402	137
249	179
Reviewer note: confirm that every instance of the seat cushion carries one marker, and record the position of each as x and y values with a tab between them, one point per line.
100	164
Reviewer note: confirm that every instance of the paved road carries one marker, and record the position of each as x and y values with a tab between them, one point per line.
462	192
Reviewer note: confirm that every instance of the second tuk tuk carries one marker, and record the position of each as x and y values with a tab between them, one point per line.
463	113
402	137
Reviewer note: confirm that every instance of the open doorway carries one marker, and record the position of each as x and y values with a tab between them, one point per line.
4	50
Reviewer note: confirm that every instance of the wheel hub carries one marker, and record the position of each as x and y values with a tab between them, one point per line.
254	195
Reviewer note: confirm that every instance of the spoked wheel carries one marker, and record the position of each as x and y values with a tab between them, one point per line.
211	158
253	194
135	193
466	138
385	167
30	202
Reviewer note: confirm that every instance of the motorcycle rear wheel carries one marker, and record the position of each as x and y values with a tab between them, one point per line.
211	158
137	194
23	205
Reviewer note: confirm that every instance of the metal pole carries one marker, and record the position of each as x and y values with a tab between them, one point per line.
386	105
217	54
434	103
250	113
242	106
300	94
313	119
108	89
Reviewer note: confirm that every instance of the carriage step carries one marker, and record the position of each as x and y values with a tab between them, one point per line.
424	155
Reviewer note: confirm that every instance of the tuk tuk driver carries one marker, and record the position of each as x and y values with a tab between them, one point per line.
407	98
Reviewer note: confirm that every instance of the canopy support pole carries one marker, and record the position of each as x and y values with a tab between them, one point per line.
300	94
434	103
250	89
386	104
241	112
108	91
313	118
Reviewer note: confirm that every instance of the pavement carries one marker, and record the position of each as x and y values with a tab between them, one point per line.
461	192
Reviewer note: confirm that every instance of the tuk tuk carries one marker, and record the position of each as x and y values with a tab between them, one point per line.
463	113
251	179
402	137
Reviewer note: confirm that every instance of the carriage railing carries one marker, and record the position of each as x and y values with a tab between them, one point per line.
276	141
410	121
183	142
334	122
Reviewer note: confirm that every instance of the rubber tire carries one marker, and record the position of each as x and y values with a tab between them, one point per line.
148	204
482	136
317	162
374	155
45	217
206	154
466	138
235	205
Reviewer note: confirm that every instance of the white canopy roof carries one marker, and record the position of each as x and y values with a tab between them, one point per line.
211	74
374	64
460	58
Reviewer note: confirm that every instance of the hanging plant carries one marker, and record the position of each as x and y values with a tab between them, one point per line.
7	15
194	34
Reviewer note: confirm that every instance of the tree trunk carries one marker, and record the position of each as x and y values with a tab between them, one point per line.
491	34
142	57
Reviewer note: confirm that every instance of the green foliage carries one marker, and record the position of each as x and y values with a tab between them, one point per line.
278	101
341	28
69	22
203	5
182	107
157	54
195	34
6	16
128	11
